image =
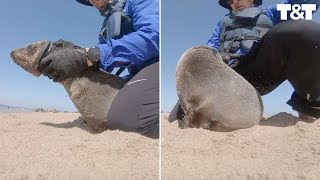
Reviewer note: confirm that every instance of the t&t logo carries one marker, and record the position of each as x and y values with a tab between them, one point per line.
303	11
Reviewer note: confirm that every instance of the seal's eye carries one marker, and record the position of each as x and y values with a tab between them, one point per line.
31	47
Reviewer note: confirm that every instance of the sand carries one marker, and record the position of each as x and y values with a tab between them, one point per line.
36	145
60	146
281	147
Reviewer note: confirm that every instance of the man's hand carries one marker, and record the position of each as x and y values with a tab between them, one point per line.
64	63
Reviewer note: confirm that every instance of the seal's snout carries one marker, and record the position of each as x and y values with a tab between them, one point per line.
13	54
18	56
26	59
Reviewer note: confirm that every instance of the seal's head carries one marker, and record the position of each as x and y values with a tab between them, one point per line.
28	57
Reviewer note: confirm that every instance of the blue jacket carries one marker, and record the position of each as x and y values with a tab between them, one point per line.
271	12
136	49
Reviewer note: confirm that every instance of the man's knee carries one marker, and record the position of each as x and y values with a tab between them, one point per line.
144	123
136	112
149	126
294	30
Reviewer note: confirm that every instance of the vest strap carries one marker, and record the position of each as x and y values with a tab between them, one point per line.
222	37
112	24
241	38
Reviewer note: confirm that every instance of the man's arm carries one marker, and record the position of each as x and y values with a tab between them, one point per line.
274	14
214	40
136	47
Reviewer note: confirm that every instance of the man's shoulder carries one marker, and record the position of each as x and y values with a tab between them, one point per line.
130	4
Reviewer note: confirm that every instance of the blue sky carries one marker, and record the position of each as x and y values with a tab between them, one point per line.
187	23
23	22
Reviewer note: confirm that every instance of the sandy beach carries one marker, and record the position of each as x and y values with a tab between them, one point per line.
37	145
281	147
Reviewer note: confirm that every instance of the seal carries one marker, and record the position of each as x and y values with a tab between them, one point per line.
214	96
92	92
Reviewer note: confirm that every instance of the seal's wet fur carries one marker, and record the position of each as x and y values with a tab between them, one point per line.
92	92
213	96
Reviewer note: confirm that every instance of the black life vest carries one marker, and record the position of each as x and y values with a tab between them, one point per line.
116	23
241	29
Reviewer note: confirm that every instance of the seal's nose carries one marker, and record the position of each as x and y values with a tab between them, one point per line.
13	54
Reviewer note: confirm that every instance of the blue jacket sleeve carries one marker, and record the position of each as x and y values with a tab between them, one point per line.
214	40
274	14
138	46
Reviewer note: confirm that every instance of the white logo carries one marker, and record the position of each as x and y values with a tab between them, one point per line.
296	13
131	82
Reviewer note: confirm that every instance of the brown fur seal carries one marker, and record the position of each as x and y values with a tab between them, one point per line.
92	92
213	96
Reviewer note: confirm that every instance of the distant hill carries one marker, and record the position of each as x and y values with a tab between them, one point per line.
8	108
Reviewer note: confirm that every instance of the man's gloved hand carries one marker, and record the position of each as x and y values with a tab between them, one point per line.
226	57
64	63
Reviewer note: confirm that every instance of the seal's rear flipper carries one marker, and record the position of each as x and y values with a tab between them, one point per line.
176	113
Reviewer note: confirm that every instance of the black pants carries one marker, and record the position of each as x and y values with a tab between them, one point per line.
289	51
136	106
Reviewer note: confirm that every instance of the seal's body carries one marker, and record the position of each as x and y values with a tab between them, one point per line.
92	92
213	96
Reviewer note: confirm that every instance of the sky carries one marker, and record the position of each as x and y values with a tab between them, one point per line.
24	22
186	23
